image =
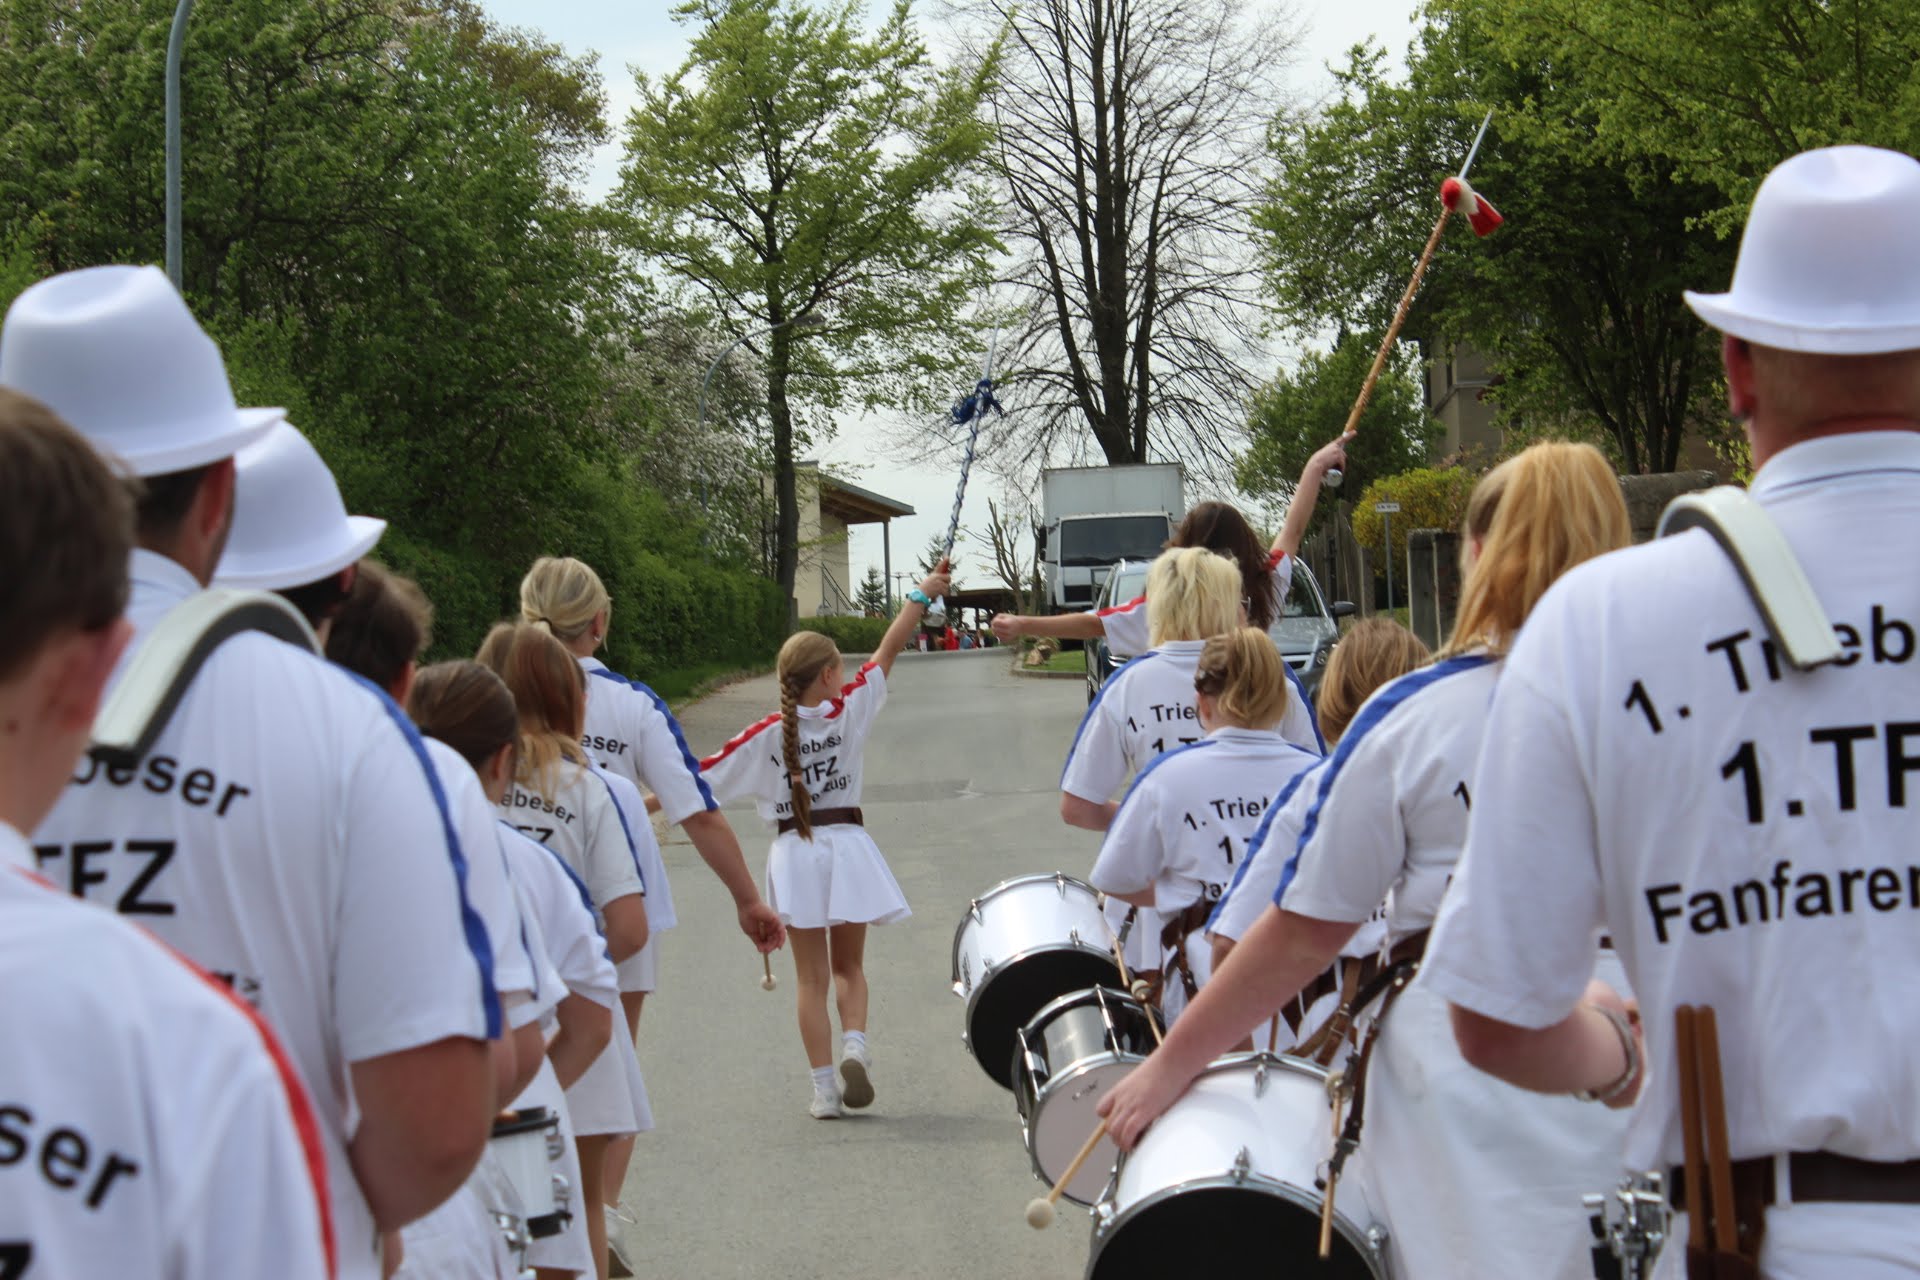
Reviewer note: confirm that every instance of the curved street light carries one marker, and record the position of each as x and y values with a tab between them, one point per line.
805	320
176	45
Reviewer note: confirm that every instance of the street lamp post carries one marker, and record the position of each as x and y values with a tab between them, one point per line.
176	46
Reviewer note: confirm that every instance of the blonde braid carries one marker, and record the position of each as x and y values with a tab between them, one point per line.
790	745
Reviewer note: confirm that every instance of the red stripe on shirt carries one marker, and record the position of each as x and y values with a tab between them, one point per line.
740	740
1128	607
852	686
1275	557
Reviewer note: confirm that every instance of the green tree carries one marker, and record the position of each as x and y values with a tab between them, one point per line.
871	598
1429	498
1299	411
792	167
1717	94
1576	301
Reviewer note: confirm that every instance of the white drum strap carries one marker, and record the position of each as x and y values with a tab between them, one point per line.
1779	586
160	671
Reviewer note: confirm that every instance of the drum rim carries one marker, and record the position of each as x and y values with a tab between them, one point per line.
1361	1239
1047	1011
999	969
1079	1069
960	930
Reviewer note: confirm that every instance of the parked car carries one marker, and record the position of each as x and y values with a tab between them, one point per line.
1305	632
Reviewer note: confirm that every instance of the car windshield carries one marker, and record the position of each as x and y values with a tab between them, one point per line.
1128	582
1304	620
1105	539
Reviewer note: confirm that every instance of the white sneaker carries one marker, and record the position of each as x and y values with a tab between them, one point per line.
856	1075
826	1103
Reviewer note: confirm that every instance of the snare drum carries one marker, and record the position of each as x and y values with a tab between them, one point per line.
1228	1174
1067	1059
526	1146
1022	943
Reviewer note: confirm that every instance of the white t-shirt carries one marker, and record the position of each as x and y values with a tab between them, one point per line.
632	807
1389	812
1744	831
1145	709
489	882
582	824
1125	625
833	738
1185	824
631	732
288	834
557	902
1257	877
149	1126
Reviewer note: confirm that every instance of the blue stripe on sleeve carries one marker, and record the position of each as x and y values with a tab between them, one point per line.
1377	709
1093	706
471	924
633	850
1300	692
691	761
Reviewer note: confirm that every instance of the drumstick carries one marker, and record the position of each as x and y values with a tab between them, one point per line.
1697	1211
1040	1211
1120	958
1338	1098
766	962
1726	1228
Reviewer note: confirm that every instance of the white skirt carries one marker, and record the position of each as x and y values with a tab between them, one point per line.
1466	1167
610	1097
641	970
838	877
458	1240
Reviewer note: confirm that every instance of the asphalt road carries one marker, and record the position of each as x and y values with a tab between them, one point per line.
933	1180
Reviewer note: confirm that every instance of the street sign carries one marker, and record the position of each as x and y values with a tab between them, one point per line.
1387	508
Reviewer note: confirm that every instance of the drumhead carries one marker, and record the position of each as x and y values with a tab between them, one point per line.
1254	1224
1019	988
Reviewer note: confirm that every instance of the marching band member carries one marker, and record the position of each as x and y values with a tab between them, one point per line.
292	535
140	1102
1466	1169
1146	709
1740	827
1185	823
1266	578
466	706
1372	652
825	875
559	800
284	831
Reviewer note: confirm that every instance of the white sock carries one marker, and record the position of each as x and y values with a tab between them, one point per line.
852	1038
823	1079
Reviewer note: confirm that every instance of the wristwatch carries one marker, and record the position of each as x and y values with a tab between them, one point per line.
920	598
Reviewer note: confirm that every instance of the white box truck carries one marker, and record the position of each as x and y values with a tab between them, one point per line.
1094	517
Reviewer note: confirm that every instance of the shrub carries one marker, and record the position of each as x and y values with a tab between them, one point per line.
852	635
1429	498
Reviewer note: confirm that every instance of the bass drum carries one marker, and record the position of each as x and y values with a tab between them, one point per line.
1068	1058
1228	1174
1022	943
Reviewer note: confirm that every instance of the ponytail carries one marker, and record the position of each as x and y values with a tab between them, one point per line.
802	658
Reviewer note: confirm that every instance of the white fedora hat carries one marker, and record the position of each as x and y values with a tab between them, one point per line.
115	352
1830	261
289	525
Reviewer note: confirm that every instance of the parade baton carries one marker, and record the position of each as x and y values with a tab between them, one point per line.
973	410
1455	197
1040	1209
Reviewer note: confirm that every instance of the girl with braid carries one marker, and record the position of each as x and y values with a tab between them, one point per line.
825	875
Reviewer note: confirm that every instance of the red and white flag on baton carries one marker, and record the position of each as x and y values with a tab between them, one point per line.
1461	198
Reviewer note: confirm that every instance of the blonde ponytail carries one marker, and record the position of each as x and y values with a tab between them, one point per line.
562	596
802	658
1245	675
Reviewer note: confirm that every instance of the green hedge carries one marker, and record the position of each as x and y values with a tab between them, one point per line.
853	635
1429	498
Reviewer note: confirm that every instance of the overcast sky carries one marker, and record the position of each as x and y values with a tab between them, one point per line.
642	35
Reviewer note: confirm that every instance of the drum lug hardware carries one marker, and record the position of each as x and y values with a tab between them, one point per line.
1260	1078
1073	936
1060	883
1242	1165
1377	1239
973	909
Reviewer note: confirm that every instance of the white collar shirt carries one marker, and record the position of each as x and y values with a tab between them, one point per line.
579	821
489	881
632	733
1184	826
638	826
1389	811
288	834
1744	831
833	739
558	902
149	1129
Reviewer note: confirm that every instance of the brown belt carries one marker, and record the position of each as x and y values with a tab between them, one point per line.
1819	1176
847	817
